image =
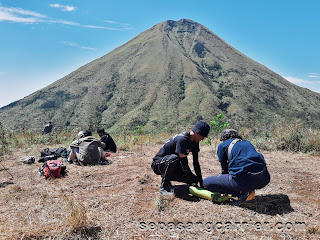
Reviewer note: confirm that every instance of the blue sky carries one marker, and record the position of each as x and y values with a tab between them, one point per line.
41	41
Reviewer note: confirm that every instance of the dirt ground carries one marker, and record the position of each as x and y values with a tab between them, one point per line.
121	201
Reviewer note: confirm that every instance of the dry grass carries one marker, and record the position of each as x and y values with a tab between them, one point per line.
121	201
161	203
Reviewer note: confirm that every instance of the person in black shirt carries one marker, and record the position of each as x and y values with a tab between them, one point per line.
107	139
171	161
47	128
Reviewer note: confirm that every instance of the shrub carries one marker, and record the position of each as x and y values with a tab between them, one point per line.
199	49
3	142
290	137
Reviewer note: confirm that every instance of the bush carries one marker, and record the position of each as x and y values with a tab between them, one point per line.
3	142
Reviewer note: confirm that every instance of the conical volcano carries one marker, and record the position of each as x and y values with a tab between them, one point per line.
171	75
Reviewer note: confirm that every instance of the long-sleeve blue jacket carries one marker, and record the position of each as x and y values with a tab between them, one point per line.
244	158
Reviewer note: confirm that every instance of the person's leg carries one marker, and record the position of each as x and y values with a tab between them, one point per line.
263	178
170	163
72	155
222	184
165	167
253	180
102	155
103	160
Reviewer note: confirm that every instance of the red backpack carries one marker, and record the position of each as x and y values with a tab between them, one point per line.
53	168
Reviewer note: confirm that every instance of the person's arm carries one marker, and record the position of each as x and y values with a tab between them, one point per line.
75	143
223	159
101	144
184	164
197	168
185	167
182	151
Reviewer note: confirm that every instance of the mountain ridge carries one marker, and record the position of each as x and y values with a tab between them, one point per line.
173	74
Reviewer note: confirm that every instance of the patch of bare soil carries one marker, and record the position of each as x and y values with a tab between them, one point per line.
121	201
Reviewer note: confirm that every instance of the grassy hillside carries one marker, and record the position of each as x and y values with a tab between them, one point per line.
169	76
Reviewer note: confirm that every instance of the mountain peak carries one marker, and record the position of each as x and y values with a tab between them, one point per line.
171	75
182	25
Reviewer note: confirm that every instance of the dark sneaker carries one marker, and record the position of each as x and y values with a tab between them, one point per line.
247	196
220	198
69	161
166	191
104	162
170	186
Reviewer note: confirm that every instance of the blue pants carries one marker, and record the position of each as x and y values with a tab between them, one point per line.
243	182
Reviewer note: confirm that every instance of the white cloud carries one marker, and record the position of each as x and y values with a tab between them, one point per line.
124	25
21	11
101	27
25	16
73	44
19	15
63	22
63	7
299	80
296	80
314	75
108	21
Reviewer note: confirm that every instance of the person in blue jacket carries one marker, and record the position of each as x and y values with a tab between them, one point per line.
243	171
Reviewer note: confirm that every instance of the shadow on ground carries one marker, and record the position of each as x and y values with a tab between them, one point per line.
84	233
182	192
271	204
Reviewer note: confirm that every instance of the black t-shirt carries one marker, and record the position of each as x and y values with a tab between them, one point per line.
178	144
110	144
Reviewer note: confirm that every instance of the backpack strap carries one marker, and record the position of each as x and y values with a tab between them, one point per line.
231	146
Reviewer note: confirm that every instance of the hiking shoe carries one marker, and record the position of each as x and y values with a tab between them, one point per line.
166	191
245	197
69	161
170	186
220	198
104	162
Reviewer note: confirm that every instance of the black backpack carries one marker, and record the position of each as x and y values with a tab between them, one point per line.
58	152
52	154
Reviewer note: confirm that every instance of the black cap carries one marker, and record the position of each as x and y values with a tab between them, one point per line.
202	128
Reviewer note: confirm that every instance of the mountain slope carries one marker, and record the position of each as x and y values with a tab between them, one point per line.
171	75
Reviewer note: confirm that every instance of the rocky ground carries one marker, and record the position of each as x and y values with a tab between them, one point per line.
121	201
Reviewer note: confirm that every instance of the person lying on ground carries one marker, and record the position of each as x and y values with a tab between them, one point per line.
243	168
171	161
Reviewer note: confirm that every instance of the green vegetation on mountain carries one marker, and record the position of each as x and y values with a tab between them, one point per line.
171	75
